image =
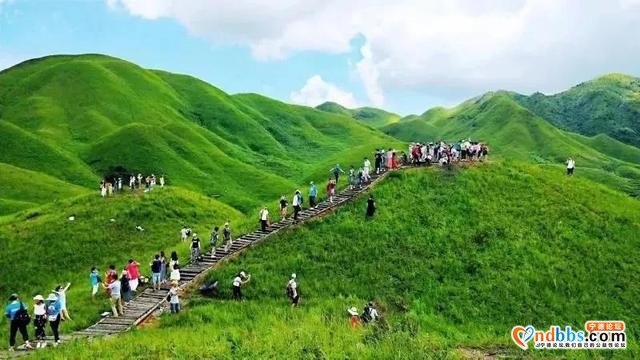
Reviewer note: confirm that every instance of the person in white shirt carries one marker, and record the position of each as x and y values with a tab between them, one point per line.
40	314
61	292
297	204
240	279
292	291
366	170
174	300
184	233
571	165
264	219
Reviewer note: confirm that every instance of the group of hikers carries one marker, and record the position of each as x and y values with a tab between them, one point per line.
51	310
443	153
113	184
121	287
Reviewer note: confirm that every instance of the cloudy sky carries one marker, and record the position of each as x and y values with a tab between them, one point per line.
402	55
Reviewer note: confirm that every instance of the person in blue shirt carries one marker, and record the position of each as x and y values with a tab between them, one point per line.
95	280
15	304
53	315
313	192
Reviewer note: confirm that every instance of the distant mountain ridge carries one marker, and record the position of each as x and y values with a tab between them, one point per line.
607	105
369	115
80	117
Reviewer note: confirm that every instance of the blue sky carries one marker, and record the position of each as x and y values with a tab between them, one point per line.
405	57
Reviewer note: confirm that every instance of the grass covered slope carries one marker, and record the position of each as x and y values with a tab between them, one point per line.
376	118
607	105
46	248
79	118
516	133
454	258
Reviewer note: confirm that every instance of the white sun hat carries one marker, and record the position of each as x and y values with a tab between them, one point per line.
293	276
52	297
353	311
38	298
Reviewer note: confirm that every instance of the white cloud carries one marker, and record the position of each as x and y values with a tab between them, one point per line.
428	45
316	91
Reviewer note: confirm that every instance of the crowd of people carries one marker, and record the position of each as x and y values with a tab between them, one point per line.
443	153
121	287
111	185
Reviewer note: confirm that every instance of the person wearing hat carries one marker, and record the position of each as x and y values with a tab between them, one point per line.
174	300
15	311
292	291
297	204
195	248
40	320
354	321
313	192
240	279
54	316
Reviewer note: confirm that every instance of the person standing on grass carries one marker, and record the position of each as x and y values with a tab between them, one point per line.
283	207
61	292
134	274
226	236
195	249
354	320
184	233
115	298
15	312
161	181
214	240
174	300
40	320
371	207
240	279
337	170
156	267
571	165
54	316
264	219
94	278
292	291
297	205
331	189
313	193
125	286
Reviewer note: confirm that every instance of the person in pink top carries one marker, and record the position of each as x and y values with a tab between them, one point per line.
134	274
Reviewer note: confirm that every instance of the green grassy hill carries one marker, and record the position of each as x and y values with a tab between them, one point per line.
67	121
78	118
452	269
608	105
375	117
513	132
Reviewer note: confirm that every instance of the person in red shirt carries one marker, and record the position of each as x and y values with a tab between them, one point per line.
134	274
331	189
354	320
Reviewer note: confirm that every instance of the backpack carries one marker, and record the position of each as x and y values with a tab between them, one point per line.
22	315
188	232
